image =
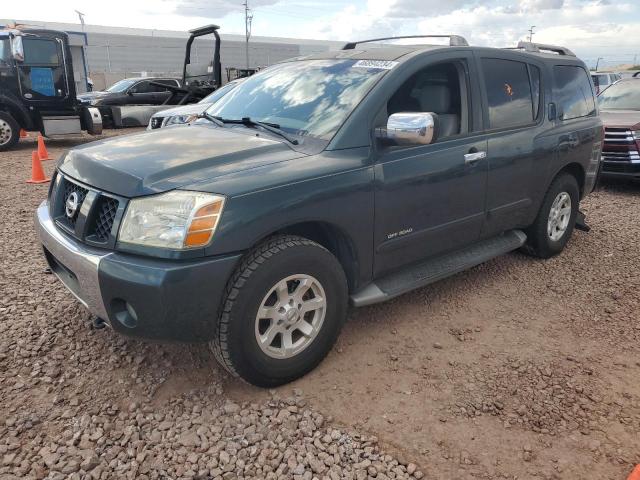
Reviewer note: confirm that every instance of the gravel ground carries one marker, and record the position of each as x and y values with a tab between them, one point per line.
519	368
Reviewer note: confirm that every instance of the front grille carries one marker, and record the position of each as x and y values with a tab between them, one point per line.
156	122
620	146
104	220
618	135
621	156
97	216
69	188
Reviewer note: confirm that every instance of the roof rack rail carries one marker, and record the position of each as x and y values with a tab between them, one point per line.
539	47
454	40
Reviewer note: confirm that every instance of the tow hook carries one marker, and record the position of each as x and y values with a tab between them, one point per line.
97	323
581	222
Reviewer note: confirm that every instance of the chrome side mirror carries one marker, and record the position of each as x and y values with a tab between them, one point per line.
17	50
410	128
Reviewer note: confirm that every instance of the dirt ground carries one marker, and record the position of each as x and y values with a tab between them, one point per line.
516	369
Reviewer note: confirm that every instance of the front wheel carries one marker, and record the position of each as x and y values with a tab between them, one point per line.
556	219
9	131
284	308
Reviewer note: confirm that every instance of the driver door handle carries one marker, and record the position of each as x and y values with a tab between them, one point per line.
473	157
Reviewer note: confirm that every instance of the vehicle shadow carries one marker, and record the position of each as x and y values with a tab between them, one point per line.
629	186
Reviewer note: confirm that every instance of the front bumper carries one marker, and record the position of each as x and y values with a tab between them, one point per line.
620	169
147	297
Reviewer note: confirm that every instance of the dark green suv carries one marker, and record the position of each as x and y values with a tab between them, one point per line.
350	176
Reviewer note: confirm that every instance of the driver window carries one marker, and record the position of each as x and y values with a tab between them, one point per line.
142	87
439	89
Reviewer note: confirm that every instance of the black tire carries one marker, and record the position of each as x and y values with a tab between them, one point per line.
539	242
235	345
8	126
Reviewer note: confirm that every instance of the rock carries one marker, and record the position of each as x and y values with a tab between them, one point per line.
189	439
90	463
231	408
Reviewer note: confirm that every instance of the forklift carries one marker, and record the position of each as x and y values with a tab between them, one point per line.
37	88
197	83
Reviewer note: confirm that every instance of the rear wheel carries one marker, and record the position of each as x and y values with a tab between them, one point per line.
556	219
283	311
9	131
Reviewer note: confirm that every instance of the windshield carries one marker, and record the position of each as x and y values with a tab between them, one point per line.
599	80
621	96
5	51
219	93
121	86
312	97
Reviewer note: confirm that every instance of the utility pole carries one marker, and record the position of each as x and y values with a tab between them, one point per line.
531	32
81	17
248	18
598	62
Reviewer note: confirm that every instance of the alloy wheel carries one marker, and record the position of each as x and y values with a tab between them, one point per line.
290	316
559	216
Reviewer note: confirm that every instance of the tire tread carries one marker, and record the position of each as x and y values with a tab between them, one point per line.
249	264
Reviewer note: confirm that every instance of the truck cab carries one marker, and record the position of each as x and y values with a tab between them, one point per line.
37	88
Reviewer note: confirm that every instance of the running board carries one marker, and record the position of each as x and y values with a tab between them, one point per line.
432	270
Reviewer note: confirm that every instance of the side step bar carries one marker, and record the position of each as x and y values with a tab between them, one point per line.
432	270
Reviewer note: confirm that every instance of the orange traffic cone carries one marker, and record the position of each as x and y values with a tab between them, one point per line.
37	174
42	150
23	133
635	475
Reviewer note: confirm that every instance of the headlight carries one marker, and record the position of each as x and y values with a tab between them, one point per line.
179	119
177	219
636	134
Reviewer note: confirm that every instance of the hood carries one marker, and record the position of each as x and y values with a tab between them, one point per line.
160	160
95	94
621	118
193	109
88	97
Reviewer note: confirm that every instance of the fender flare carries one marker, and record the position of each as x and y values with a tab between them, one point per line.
17	109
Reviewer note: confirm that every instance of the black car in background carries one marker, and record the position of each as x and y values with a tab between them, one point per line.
133	91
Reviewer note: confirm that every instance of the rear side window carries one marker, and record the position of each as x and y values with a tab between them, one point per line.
511	99
143	87
163	81
573	92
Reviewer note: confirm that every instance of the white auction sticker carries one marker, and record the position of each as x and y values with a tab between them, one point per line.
378	64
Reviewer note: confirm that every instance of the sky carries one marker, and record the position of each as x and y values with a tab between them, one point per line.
592	28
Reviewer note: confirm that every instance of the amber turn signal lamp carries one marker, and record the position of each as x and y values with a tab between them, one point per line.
203	225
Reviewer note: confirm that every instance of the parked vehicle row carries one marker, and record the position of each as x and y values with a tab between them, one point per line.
187	113
37	87
341	177
601	80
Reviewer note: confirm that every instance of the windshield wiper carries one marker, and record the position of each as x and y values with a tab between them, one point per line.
211	118
270	127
